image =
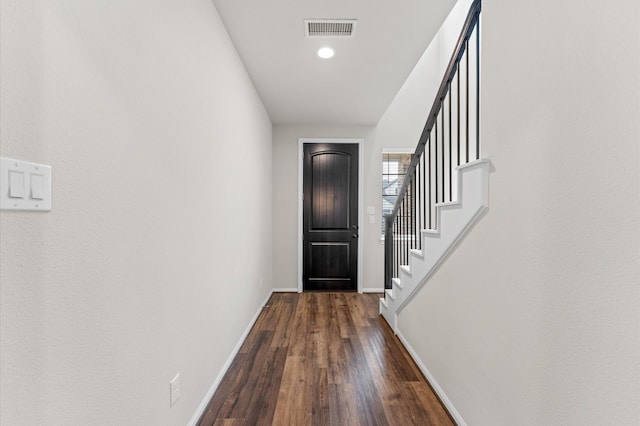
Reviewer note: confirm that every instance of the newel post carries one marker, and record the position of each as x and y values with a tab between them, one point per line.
388	251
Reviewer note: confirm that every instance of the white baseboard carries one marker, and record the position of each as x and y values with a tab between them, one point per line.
432	381
205	401
295	290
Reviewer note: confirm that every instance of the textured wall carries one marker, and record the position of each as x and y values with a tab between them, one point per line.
150	262
534	318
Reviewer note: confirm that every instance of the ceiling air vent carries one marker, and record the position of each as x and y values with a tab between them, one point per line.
330	27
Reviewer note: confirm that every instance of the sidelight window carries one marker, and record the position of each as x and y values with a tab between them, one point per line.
394	168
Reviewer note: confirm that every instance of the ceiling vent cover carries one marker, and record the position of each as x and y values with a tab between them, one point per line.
330	27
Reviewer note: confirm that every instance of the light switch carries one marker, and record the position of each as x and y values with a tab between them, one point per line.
37	187
371	210
372	219
16	184
24	185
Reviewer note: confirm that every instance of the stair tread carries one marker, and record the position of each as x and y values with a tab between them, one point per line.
397	282
417	253
448	203
406	269
389	292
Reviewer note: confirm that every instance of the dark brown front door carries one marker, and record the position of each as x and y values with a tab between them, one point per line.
330	217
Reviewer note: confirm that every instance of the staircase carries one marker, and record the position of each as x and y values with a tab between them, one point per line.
445	189
455	219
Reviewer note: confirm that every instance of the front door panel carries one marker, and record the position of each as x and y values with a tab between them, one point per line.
330	222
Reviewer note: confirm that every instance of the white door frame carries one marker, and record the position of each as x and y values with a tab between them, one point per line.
360	143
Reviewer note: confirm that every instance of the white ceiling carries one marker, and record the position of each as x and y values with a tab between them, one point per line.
355	86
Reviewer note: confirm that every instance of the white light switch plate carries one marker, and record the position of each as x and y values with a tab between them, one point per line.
24	185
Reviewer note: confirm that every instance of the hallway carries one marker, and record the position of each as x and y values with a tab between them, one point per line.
323	359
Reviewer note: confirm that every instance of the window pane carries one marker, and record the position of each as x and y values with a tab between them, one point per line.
394	168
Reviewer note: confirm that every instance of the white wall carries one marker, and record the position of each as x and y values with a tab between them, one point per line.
534	318
403	122
285	202
149	263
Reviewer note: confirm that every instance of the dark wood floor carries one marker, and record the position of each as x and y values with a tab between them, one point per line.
323	359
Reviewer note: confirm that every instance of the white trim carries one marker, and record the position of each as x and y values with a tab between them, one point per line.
285	290
360	143
432	381
372	290
207	398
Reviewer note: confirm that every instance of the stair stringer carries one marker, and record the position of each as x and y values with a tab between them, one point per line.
454	220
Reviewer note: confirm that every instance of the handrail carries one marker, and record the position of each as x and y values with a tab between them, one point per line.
408	203
467	29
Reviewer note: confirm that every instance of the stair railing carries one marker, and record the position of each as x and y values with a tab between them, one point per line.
451	137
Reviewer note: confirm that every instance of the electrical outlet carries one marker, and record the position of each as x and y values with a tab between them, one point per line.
174	390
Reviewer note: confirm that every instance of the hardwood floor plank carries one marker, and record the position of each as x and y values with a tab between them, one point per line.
369	404
338	369
262	355
265	395
301	329
291	407
323	359
227	392
426	398
229	422
360	313
392	353
342	407
320	410
344	317
284	305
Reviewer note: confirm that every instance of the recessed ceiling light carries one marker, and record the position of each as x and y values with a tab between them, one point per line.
326	53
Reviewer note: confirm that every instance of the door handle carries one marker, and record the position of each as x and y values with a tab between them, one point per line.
354	235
